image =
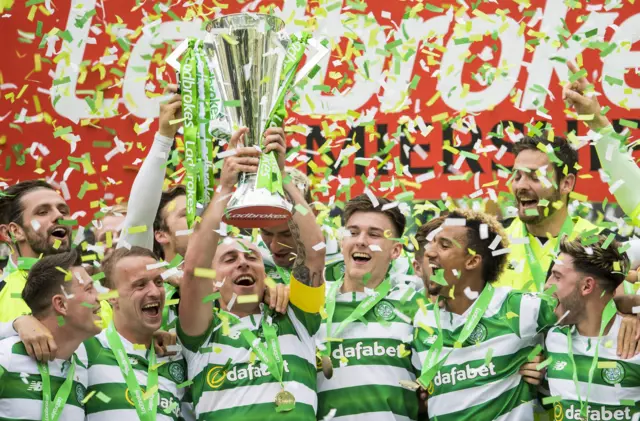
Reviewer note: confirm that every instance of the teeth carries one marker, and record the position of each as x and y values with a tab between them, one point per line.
244	278
150	306
364	255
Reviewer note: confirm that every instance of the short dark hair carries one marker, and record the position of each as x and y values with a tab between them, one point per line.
160	221
45	279
362	203
598	262
11	208
492	266
567	157
109	263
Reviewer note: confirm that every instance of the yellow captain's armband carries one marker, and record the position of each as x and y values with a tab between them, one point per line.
306	298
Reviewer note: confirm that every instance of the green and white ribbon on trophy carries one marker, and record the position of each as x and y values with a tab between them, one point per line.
198	95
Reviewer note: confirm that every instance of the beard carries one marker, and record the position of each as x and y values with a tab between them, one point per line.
39	243
573	304
536	219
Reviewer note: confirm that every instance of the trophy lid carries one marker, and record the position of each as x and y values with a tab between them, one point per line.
246	20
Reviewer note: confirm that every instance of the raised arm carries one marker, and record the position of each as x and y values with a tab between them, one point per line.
144	198
308	266
623	171
195	315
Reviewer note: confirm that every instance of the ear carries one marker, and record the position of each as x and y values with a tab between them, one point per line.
16	232
396	251
162	237
587	285
417	266
473	263
59	304
567	184
4	234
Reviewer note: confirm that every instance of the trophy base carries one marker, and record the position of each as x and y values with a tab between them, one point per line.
255	208
256	216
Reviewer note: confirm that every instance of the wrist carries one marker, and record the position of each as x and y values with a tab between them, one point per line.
598	123
169	134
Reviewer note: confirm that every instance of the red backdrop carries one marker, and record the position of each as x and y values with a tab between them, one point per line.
80	78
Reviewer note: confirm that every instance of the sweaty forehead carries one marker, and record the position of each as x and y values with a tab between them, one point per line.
41	196
454	232
236	244
370	220
532	160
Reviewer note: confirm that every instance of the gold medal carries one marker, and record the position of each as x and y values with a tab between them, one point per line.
285	401
327	367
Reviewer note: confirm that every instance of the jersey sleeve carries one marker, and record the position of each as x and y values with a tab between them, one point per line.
194	343
530	313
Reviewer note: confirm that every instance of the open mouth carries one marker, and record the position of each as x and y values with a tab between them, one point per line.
434	267
245	281
59	232
151	309
361	257
528	203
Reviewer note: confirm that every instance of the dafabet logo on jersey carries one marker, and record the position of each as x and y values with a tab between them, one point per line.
215	376
594	413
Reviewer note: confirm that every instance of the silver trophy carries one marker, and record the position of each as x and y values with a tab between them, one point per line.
246	53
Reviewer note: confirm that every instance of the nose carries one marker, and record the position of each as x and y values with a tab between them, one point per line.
520	184
550	281
430	249
56	215
154	290
361	239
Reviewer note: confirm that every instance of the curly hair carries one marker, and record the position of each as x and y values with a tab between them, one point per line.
492	266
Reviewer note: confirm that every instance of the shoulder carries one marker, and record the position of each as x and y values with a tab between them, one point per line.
7	349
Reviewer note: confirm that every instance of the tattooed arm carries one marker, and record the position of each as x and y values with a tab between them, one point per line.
308	266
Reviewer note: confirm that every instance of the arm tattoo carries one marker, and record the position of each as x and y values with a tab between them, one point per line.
300	270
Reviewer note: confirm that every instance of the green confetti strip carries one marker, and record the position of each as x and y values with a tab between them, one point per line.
211	297
534	353
551	400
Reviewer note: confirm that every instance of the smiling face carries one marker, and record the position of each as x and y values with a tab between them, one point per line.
40	232
368	253
141	295
530	188
82	303
281	244
448	259
239	265
568	292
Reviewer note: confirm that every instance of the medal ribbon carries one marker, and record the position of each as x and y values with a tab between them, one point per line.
268	351
51	410
269	176
540	276
363	308
432	365
145	408
607	314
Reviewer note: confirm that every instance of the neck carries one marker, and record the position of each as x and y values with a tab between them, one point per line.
592	317
551	224
241	310
460	302
66	338
25	251
169	254
131	334
357	285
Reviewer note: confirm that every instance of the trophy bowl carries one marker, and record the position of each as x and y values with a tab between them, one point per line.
246	53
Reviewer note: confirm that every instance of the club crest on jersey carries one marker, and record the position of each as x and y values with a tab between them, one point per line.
479	334
384	310
176	371
614	375
273	274
80	393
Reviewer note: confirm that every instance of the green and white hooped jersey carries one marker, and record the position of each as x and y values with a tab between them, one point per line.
106	379
480	381
230	384
618	381
371	360
21	383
